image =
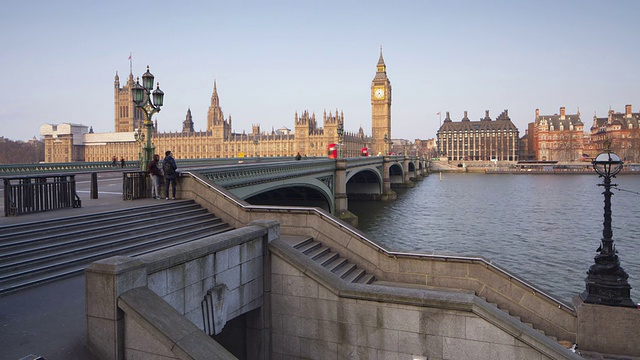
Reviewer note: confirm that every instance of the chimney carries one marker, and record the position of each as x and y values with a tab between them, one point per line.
537	113
562	113
627	110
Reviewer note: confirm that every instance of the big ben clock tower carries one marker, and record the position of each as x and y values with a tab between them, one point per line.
381	109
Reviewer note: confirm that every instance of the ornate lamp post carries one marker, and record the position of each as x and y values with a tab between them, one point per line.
606	281
142	99
340	137
255	148
386	146
139	136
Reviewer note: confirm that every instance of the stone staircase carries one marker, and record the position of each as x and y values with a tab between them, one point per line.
38	252
349	272
331	260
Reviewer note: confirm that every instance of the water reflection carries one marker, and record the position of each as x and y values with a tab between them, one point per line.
543	228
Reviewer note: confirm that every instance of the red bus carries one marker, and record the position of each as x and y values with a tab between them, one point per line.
332	151
364	152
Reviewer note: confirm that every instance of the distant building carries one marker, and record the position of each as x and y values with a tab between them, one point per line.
72	142
622	130
557	137
481	140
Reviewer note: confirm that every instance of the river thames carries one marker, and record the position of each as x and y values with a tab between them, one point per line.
544	229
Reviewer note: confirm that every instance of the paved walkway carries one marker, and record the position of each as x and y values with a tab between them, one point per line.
49	320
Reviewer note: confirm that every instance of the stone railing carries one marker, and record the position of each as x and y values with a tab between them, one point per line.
475	274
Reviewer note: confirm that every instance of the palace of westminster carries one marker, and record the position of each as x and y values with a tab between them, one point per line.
557	137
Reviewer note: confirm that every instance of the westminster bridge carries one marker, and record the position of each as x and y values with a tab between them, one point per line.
318	182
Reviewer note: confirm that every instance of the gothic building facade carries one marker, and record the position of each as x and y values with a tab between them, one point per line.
482	140
70	142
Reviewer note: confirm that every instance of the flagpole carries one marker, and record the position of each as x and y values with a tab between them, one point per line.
130	64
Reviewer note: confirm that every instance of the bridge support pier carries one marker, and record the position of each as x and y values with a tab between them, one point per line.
341	199
387	193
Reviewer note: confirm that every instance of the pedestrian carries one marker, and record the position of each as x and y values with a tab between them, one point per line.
170	173
114	162
122	162
298	157
155	173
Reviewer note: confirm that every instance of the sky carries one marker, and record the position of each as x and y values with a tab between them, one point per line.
271	59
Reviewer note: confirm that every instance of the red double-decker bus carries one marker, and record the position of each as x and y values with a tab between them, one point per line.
332	151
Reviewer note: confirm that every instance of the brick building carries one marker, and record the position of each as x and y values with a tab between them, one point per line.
557	137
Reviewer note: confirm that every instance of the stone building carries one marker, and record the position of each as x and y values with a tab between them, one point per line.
557	137
482	140
70	142
622	130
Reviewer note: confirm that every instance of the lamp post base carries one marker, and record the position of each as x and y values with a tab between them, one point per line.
606	284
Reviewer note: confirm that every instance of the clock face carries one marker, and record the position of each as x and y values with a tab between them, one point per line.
379	93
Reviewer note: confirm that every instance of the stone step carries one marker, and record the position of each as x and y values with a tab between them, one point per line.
53	256
309	246
344	270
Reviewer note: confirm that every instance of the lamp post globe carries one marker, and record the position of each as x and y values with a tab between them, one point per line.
606	281
149	103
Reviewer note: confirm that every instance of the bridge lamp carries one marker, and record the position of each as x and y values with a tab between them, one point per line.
149	102
139	136
606	282
386	142
340	136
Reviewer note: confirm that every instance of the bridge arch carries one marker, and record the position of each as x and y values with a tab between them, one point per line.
291	194
364	181
396	173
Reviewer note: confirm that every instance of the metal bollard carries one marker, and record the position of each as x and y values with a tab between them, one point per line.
94	185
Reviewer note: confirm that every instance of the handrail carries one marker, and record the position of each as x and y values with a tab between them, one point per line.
328	217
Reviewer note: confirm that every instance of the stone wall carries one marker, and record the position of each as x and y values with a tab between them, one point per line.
316	317
230	263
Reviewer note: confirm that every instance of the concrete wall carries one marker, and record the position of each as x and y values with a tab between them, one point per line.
180	276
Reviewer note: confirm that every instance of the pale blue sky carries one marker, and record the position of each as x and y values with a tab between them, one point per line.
270	59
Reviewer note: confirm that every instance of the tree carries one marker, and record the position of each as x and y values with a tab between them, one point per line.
21	152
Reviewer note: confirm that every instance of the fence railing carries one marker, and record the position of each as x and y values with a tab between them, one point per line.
30	194
134	185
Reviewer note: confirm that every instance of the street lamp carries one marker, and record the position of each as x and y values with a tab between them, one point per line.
386	141
139	136
340	135
142	97
255	148
606	281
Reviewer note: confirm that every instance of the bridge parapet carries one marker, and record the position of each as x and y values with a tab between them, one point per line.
228	266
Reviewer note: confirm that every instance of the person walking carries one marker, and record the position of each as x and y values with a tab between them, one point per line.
170	174
155	173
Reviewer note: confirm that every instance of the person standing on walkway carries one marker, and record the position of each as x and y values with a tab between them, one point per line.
170	173
155	173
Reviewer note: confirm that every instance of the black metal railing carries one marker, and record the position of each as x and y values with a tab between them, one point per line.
134	185
31	194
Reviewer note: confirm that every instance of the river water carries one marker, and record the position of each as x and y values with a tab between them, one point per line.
544	229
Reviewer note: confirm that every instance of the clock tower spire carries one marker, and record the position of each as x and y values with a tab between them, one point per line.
381	108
